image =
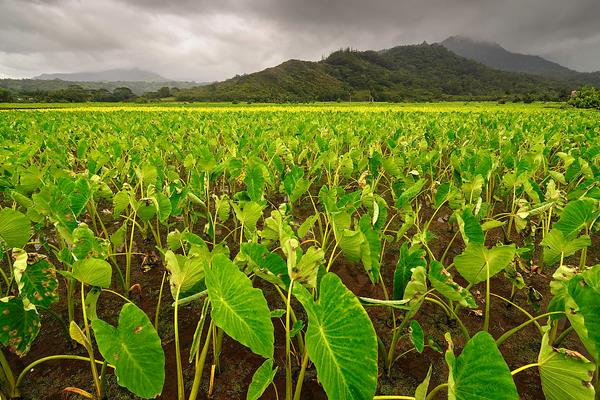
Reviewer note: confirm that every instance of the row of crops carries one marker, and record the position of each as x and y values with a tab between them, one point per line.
331	246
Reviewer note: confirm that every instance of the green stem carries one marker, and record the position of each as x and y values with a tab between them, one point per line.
200	361
563	336
157	313
89	347
288	351
50	358
7	372
180	388
523	368
514	330
301	376
520	309
486	321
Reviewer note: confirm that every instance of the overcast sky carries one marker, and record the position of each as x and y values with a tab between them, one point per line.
205	40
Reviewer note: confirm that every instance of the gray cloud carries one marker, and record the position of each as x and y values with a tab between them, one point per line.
210	40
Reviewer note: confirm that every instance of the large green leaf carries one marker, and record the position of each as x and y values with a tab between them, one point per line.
340	340
470	228
248	213
479	372
565	374
409	258
238	308
261	379
575	216
15	229
19	324
186	274
582	305
556	245
93	271
475	262
35	278
254	181
135	350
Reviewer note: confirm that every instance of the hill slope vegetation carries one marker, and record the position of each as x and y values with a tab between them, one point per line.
416	72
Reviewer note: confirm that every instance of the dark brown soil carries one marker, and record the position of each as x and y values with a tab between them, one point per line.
238	364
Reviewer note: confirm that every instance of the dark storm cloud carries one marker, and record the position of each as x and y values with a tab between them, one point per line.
208	40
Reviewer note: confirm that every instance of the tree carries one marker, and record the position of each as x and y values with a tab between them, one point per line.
5	96
123	94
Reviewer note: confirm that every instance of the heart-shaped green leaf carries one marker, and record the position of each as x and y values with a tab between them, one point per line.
93	271
477	261
565	374
135	350
15	229
479	372
339	333
238	308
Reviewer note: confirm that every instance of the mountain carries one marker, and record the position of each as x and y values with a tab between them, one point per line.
495	56
416	72
113	75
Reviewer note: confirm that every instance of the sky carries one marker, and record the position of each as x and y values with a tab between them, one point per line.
208	40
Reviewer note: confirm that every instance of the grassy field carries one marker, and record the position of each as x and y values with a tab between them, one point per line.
312	251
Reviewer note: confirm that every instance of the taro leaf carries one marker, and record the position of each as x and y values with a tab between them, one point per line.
442	281
307	225
261	380
470	228
370	249
77	335
254	181
409	259
565	374
575	216
15	229
36	279
479	372
163	206
238	308
417	337
421	392
556	245
442	194
307	267
248	213
19	324
85	244
277	228
410	193
260	256
91	302
477	261
186	274
351	243
134	348
582	305
93	271
120	202
338	330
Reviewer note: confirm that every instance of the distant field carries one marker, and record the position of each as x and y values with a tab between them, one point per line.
345	106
